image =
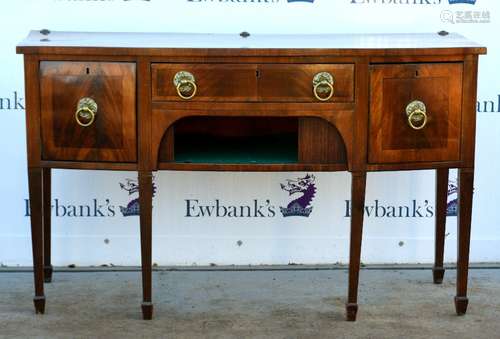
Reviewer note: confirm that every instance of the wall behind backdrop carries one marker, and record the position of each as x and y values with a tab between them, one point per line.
194	221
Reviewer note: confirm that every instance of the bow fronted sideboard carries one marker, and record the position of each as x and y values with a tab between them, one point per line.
221	102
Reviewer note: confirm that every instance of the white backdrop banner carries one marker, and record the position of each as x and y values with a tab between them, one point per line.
235	218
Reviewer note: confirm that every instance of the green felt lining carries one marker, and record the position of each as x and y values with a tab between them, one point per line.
276	149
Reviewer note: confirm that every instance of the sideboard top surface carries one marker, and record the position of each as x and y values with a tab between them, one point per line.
195	44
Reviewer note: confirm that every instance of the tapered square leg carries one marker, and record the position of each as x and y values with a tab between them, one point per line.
357	205
441	210
465	191
437	274
35	195
47	274
146	206
147	311
39	303
461	304
47	210
351	311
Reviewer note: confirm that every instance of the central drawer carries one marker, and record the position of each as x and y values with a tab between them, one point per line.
253	82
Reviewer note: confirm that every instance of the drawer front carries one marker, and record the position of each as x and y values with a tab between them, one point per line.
214	82
415	113
295	83
253	82
88	111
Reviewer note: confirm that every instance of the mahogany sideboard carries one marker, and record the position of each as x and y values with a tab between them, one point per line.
154	101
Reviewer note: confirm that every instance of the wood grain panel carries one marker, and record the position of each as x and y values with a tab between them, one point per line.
391	139
173	166
293	82
253	82
166	153
357	150
112	137
144	122
32	92
227	82
320	142
469	101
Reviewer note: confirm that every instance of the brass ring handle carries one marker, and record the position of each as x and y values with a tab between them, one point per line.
185	84
180	89
86	112
322	84
417	115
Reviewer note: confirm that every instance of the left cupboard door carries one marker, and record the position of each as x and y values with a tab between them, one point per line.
88	111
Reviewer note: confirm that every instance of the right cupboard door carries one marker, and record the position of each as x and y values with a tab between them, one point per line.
415	112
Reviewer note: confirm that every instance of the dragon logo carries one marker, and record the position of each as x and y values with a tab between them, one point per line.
300	206
132	187
452	206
